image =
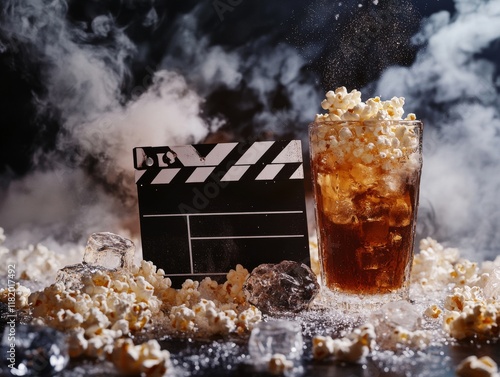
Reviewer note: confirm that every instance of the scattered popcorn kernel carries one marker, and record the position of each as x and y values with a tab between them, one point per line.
473	366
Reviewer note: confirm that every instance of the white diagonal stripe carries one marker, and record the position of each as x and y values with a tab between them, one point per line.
299	173
138	174
234	173
200	174
252	155
165	176
269	172
189	156
219	152
291	153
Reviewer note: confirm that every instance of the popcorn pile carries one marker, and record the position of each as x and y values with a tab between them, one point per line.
343	105
473	309
384	143
352	348
111	304
35	262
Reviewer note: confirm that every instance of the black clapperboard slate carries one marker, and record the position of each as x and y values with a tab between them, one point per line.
205	208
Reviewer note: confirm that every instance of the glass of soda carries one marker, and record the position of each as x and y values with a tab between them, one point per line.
366	177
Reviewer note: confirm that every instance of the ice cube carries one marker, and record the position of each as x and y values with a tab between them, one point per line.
400	213
394	314
492	287
369	206
275	337
364	175
284	287
109	250
375	233
72	275
367	259
342	212
33	351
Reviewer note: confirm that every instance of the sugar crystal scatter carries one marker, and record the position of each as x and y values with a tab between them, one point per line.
38	351
284	287
281	337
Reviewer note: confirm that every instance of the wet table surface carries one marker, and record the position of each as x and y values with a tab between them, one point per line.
229	357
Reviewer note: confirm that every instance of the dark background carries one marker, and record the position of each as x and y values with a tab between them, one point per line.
83	82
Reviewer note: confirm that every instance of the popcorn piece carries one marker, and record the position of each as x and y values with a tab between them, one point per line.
469	314
433	311
278	364
18	294
145	359
473	366
434	265
352	348
322	347
413	339
182	318
230	291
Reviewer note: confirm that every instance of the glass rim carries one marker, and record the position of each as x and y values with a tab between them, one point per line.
368	122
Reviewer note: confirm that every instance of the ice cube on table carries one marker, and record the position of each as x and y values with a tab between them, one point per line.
275	337
33	351
284	287
104	251
109	250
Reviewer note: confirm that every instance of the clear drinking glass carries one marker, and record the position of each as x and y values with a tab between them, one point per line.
366	177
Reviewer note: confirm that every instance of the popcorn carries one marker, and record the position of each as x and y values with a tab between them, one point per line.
433	311
278	364
353	348
383	144
434	265
230	291
109	305
19	293
468	314
146	359
473	366
413	339
182	318
343	105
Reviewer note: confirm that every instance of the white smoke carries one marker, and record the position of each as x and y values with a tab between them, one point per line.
263	67
68	199
453	87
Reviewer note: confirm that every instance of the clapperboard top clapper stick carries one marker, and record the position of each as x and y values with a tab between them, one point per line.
205	208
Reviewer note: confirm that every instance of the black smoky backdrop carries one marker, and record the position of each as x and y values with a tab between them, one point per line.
82	82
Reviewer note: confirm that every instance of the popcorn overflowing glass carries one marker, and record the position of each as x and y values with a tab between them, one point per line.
366	165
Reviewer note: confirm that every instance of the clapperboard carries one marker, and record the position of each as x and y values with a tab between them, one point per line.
205	208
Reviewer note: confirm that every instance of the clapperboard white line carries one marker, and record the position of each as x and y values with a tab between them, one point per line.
223	213
245	237
189	243
187	215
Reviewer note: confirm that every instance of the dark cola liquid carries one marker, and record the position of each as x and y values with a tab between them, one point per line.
372	253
